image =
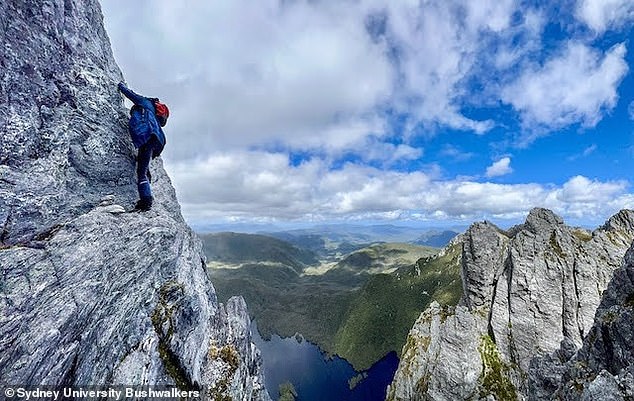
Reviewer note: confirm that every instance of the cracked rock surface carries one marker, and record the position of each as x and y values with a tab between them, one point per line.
526	291
89	293
603	369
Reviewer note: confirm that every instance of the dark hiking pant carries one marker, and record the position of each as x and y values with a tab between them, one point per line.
146	152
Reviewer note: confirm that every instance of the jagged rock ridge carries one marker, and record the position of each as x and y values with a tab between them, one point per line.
525	291
91	295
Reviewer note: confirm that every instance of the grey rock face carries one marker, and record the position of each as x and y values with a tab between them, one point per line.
603	369
525	291
91	294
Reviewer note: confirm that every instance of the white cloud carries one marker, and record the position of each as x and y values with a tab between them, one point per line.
253	186
309	75
577	86
510	53
301	74
585	153
601	15
389	154
500	167
439	44
580	189
244	73
455	153
589	150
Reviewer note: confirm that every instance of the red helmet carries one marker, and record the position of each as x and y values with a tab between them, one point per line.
162	112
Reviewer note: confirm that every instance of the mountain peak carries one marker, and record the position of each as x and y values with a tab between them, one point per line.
539	219
623	220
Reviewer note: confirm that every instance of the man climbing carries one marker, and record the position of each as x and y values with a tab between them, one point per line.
147	116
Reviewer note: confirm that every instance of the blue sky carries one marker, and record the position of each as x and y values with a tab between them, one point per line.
364	110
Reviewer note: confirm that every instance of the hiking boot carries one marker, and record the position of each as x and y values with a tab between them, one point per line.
144	204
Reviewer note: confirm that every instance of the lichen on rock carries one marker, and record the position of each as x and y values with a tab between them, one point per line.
495	379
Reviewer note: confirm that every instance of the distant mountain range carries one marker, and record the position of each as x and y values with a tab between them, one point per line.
335	241
435	238
236	248
356	234
351	233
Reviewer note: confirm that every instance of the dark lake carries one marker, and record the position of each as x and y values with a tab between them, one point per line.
317	377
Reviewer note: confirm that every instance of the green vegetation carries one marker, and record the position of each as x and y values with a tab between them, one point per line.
361	309
161	317
495	373
285	303
610	316
356	380
555	245
387	306
287	392
244	248
230	359
582	235
422	385
381	257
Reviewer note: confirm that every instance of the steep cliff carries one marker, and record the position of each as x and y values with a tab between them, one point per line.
90	294
525	291
603	369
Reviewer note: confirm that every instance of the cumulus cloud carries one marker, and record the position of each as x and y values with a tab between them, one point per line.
439	44
500	167
241	73
259	185
576	86
375	151
303	74
318	75
601	15
582	190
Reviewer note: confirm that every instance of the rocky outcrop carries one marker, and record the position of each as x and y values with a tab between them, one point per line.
89	293
525	291
603	369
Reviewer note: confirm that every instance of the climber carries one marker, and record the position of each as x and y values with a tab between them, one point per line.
147	116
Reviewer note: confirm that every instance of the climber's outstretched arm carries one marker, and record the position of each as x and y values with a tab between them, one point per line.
136	99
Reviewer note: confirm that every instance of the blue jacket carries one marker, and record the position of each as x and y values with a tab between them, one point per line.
143	122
